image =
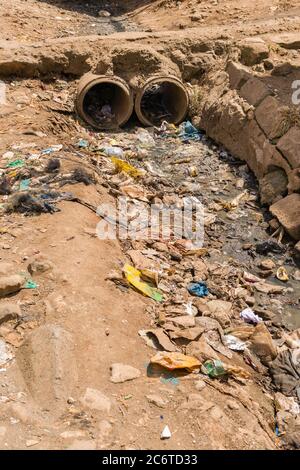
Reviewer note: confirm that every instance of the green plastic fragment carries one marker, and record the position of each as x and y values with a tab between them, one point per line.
15	164
213	368
30	285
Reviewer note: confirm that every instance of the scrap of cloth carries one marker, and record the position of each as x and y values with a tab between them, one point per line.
285	371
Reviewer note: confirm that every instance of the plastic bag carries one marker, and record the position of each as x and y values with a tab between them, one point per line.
174	360
199	289
133	276
113	151
130	170
249	316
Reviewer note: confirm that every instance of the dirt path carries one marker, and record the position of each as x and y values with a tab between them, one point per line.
33	20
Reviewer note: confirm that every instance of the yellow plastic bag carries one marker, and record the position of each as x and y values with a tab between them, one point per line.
130	170
133	276
174	360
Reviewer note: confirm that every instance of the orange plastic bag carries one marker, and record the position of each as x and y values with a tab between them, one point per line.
175	360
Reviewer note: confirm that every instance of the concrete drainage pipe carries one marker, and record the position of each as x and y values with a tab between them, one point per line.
162	98
104	102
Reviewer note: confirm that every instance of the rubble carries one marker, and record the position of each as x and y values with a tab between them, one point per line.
121	373
96	400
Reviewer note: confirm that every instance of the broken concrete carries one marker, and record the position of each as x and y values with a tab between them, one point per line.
287	211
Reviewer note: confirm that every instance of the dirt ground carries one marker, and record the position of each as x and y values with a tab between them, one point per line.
33	20
79	318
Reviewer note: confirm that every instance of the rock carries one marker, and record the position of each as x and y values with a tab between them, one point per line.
216	413
296	275
273	186
200	385
269	246
142	262
253	51
32	442
72	434
238	74
10	284
6	269
96	400
262	344
105	428
196	17
104	13
268	64
259	153
232	405
297	247
122	372
9	311
266	288
289	146
48	364
254	91
195	401
82	445
156	400
162	247
5	354
40	265
200	269
249	300
185	321
283	69
220	310
287	211
294	181
267	264
287	40
24	413
269	115
201	350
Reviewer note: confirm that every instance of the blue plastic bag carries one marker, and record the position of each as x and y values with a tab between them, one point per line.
198	289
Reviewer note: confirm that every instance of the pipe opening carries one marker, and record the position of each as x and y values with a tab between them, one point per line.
104	103
162	100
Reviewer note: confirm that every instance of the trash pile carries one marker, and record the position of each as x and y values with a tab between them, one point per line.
218	310
31	184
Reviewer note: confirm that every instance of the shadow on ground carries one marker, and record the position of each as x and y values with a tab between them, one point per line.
92	7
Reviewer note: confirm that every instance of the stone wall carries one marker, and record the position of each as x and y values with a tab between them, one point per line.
242	112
